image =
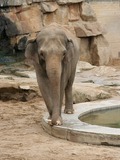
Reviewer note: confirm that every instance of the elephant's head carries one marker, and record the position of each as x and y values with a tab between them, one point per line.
51	49
49	44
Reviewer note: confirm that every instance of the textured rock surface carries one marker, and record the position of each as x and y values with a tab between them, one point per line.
88	92
99	50
81	65
49	7
108	14
85	49
68	1
87	29
87	13
4	3
23	18
74	12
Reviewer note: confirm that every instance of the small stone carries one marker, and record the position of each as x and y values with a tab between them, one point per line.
24	87
21	74
74	154
62	2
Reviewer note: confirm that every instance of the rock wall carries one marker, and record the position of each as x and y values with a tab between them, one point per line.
108	14
22	19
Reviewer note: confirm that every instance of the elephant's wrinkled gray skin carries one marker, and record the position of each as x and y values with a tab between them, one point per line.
54	54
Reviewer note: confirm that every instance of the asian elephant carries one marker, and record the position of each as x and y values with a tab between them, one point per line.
54	54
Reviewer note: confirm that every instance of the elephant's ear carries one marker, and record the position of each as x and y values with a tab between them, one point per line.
70	50
31	52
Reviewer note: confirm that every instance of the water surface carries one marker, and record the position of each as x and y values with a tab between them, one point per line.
108	118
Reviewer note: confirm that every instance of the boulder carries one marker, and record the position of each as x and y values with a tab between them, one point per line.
29	20
4	3
71	29
23	20
21	44
60	16
104	71
85	50
7	24
62	2
74	12
95	50
87	13
87	29
29	1
99	50
2	24
42	1
88	92
81	65
48	7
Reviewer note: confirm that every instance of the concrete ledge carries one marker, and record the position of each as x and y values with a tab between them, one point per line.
75	130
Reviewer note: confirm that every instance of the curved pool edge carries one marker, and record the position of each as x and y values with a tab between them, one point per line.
76	131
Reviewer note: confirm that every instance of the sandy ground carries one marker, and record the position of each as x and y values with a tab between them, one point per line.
23	138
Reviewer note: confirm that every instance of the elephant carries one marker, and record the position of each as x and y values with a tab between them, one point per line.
54	54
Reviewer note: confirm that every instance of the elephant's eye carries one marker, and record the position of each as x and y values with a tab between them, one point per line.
64	53
42	55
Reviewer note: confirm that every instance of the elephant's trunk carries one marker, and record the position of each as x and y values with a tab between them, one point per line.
54	69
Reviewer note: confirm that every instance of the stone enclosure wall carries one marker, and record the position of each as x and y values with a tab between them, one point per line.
21	20
108	14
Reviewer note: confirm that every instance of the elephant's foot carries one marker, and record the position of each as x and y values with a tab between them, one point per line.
69	111
50	120
57	122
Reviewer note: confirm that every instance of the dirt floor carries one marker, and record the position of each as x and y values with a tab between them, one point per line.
23	138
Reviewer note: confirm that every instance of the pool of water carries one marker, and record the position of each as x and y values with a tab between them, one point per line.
108	118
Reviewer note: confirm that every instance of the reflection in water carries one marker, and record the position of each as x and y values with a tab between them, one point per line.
108	118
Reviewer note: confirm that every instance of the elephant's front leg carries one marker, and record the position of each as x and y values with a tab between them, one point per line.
56	114
68	96
68	100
